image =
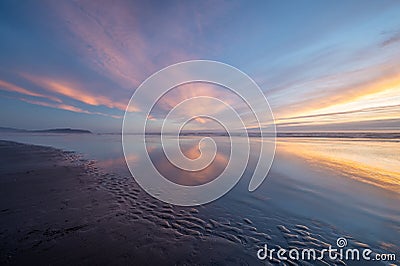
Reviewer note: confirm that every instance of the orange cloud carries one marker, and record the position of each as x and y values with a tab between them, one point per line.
76	92
14	88
359	93
196	89
201	120
376	98
151	117
65	107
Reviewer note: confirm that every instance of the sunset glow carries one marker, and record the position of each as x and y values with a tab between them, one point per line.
344	75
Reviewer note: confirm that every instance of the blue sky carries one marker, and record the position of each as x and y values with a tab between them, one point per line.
323	65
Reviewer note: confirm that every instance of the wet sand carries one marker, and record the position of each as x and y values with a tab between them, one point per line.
54	209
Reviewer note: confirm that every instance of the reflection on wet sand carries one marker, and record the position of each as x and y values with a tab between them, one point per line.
375	163
188	178
308	199
116	163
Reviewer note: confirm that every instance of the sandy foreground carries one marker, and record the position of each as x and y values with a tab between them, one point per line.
58	209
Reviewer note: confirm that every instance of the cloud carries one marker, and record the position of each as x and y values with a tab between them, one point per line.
66	107
77	92
206	106
14	88
88	56
196	89
338	126
394	109
394	38
366	93
107	39
56	102
116	40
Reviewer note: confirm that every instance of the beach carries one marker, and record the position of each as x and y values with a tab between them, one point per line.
54	210
200	133
61	207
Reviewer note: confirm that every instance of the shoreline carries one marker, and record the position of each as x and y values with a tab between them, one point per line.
54	210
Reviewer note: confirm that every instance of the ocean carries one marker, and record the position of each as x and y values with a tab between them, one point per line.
317	190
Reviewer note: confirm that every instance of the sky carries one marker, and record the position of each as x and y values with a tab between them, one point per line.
322	65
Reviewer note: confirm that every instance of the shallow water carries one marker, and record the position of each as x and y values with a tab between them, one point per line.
317	189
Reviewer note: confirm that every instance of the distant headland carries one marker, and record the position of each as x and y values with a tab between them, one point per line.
52	130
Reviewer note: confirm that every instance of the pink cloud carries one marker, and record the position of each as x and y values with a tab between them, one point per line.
14	88
77	92
66	107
